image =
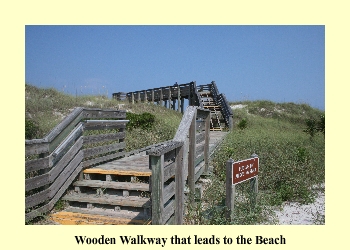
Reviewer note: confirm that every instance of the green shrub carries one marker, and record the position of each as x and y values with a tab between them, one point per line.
242	124
32	130
314	126
144	121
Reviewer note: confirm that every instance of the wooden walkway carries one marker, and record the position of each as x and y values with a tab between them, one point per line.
117	192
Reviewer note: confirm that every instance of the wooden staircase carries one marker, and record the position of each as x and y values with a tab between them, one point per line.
217	122
113	193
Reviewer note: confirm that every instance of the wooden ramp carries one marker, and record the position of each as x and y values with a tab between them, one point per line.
115	193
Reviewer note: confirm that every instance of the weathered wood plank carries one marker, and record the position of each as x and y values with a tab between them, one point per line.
113	185
179	184
126	171
182	131
34	149
82	218
35	165
106	126
57	169
169	171
163	149
55	198
103	138
91	162
169	191
37	198
103	149
168	212
156	164
191	154
104	113
60	180
131	201
37	181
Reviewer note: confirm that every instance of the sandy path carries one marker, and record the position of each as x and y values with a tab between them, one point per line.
294	213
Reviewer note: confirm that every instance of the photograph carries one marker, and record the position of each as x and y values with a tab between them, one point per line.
175	125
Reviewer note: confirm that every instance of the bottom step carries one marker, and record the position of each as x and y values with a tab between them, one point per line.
70	218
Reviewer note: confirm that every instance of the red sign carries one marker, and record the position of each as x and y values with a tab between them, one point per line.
245	170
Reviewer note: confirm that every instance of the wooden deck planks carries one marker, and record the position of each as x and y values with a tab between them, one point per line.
113	185
71	218
131	201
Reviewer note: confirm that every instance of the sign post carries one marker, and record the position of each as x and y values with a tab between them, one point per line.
237	172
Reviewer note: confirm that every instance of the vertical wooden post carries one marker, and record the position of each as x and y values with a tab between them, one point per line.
152	96
178	99
179	186
156	164
132	98
138	97
169	97
182	105
192	154
161	96
230	190
206	145
254	186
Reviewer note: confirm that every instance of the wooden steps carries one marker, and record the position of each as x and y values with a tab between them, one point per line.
208	102
127	201
112	185
112	193
88	218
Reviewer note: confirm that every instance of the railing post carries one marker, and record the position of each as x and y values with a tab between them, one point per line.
169	97
138	97
206	147
156	164
179	182
178	99
230	190
132	98
192	154
254	185
161	97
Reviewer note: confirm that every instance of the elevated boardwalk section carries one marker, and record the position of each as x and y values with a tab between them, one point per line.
173	97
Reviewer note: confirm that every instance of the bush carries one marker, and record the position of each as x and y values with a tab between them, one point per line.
32	130
242	124
144	121
314	126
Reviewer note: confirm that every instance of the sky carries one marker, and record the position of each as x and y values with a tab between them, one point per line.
277	63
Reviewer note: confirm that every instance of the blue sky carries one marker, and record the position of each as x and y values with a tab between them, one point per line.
277	63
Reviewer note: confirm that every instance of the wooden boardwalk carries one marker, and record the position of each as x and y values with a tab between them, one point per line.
116	192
